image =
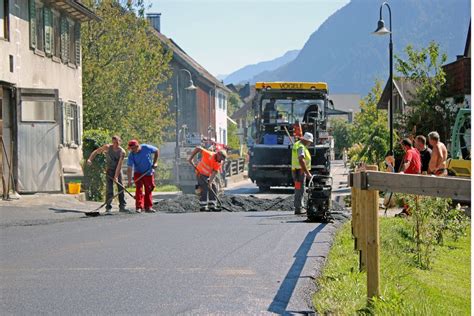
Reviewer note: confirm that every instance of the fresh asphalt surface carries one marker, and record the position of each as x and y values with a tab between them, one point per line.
193	263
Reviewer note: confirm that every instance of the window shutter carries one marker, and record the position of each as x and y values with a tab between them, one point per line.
32	11
48	31
77	44
63	121
64	40
79	125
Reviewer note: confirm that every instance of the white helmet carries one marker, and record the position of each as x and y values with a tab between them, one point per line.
308	136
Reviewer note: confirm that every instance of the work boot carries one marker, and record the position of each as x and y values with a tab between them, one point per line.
108	211
299	211
123	209
138	210
203	209
150	210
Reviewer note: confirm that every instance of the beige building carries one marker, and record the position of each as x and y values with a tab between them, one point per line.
40	93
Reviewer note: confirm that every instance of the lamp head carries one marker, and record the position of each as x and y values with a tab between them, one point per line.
191	85
381	29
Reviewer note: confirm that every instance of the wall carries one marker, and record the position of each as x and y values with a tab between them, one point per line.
221	116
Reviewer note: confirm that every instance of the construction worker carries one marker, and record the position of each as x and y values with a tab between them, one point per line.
300	167
206	171
142	159
114	155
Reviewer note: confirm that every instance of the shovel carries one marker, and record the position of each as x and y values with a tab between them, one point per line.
96	211
218	200
121	185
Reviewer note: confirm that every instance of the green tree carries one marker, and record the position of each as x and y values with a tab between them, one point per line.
234	103
232	137
370	130
342	132
428	111
123	65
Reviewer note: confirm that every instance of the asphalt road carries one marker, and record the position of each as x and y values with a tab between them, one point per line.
192	263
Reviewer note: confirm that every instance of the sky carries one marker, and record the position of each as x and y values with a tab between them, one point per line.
225	35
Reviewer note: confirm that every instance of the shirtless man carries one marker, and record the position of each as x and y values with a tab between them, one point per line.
437	165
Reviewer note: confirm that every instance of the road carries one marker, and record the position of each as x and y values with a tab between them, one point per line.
193	263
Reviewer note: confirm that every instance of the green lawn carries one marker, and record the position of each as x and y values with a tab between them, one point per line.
406	290
160	188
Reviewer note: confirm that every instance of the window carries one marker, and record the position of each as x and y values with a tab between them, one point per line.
71	42
64	39
71	123
4	19
56	35
37	111
39	27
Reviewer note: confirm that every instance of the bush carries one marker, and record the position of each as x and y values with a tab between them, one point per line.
94	177
433	220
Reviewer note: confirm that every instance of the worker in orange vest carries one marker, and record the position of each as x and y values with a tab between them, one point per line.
206	170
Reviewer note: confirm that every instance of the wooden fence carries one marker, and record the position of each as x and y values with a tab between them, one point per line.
365	186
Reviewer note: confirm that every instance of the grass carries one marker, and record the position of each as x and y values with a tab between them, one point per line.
405	289
160	188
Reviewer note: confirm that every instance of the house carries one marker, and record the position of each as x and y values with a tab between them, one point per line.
40	93
244	115
404	90
202	111
458	76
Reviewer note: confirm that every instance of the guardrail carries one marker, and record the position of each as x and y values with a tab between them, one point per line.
234	167
365	186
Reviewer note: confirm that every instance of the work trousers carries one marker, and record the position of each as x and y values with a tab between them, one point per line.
299	178
109	189
143	201
207	196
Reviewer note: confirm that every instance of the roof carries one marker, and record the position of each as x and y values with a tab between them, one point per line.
346	102
404	87
76	9
182	57
242	112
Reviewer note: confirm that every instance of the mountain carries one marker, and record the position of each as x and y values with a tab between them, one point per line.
344	53
246	73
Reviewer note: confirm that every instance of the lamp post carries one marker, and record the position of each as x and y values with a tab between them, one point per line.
382	30
191	86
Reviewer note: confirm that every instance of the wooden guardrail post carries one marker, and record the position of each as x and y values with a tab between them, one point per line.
373	243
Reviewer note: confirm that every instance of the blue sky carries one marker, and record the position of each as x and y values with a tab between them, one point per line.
224	35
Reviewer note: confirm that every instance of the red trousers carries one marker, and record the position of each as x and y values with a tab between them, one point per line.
143	201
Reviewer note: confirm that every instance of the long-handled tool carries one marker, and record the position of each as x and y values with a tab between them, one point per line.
96	211
120	185
210	188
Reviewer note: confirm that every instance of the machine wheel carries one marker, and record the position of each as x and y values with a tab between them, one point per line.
264	188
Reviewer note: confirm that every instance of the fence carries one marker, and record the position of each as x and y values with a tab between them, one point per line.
234	167
365	186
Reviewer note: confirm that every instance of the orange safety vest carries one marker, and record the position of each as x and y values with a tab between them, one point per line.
207	163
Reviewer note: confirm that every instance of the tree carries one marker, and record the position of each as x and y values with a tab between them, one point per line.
342	132
234	103
123	65
370	131
232	137
428	111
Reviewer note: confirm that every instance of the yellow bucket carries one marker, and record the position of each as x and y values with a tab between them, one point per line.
74	188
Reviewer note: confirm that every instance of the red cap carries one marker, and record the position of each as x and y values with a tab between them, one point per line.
133	142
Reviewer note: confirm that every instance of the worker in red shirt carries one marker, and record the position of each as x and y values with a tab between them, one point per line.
207	169
411	161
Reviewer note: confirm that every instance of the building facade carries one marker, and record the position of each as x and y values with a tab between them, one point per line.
40	93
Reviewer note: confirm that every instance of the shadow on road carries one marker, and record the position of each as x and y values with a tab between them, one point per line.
280	301
61	210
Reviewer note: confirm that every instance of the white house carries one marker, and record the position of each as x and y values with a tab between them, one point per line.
40	92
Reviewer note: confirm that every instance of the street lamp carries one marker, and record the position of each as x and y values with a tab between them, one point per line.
190	87
382	30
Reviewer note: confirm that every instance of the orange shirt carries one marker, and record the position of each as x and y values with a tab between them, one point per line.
208	163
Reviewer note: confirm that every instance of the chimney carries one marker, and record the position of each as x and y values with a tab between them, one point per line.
154	19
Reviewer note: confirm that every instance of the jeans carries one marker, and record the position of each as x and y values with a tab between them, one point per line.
109	189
